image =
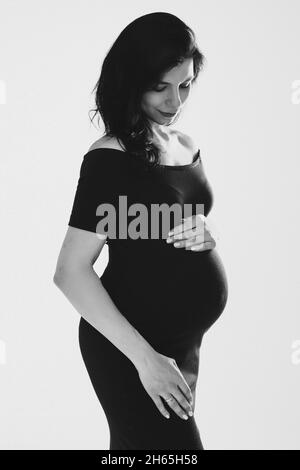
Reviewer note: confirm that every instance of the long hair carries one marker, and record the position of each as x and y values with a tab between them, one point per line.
144	51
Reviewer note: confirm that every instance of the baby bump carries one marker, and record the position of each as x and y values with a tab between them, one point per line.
196	289
182	293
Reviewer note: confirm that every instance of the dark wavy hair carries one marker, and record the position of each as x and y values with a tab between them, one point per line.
144	51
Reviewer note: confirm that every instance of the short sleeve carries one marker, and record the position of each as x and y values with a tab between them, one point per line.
96	186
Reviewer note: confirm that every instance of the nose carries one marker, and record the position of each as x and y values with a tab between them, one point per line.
173	100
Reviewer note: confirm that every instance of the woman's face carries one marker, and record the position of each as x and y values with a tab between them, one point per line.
169	97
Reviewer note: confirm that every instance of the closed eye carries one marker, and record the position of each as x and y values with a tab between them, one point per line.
162	89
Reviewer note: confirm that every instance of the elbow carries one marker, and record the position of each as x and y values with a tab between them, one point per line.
59	275
55	279
66	272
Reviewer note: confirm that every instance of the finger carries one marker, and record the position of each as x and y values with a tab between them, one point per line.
192	233
195	222
190	227
185	389
183	385
197	240
184	235
182	400
174	405
160	406
175	230
203	246
192	223
187	223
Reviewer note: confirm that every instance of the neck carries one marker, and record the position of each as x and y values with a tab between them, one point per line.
160	132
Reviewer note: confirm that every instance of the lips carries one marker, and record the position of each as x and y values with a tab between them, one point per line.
167	114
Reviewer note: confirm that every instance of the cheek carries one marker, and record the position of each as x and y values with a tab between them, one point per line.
186	94
152	101
155	104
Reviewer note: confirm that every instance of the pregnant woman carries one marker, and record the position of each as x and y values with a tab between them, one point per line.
142	322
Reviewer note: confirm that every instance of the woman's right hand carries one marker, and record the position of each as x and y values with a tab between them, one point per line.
162	378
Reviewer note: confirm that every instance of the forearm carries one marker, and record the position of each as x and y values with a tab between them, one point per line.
86	293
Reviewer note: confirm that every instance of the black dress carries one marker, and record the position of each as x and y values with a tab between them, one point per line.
172	296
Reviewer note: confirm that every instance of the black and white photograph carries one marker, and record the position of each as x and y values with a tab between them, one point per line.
150	159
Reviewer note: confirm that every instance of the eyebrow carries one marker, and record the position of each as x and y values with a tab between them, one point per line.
167	83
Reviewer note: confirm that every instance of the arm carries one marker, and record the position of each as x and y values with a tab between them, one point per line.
77	279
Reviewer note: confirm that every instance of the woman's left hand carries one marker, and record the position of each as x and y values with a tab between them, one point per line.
193	234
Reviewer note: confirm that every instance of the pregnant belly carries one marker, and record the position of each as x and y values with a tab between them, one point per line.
196	288
170	293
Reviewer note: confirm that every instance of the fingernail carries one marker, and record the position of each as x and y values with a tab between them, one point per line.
190	413
185	417
177	244
169	240
194	248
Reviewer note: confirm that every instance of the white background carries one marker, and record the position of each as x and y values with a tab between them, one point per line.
244	113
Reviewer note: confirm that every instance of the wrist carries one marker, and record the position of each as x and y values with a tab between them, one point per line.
144	357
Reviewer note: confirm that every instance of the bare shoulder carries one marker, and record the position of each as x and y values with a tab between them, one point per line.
112	142
106	142
187	141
